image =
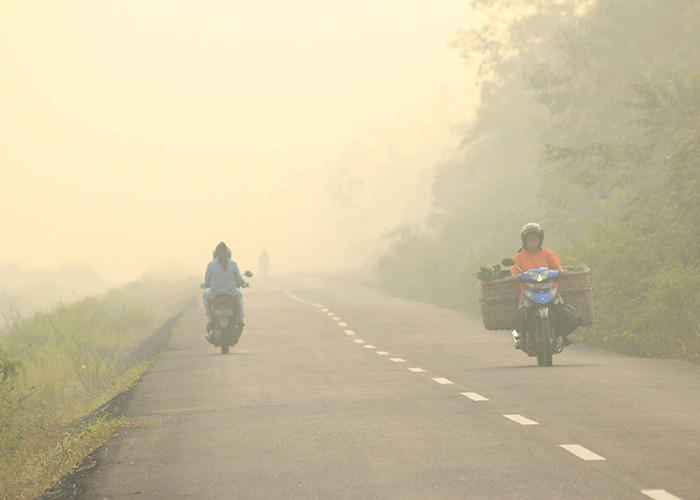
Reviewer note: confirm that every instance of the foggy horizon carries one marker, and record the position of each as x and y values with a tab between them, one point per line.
137	136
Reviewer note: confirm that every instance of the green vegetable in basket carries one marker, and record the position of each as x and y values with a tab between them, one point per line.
489	273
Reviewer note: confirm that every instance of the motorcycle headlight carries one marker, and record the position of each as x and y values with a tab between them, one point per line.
540	274
537	274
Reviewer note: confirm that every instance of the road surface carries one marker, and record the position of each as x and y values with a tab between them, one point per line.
338	391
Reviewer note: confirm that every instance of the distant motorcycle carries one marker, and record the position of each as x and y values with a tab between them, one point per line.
542	298
226	327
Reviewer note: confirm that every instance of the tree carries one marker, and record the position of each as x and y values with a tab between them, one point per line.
589	122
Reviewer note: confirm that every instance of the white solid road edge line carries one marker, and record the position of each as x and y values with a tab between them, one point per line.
581	452
474	396
660	495
521	420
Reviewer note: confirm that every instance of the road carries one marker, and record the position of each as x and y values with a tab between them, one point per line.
339	391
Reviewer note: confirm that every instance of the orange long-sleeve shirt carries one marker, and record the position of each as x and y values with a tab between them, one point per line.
543	258
525	260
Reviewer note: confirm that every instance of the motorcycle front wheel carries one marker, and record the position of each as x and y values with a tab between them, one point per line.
546	340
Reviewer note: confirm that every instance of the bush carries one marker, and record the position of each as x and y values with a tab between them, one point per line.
646	298
418	266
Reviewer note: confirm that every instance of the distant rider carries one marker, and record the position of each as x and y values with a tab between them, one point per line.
222	277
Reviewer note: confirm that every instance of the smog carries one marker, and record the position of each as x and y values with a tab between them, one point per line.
135	138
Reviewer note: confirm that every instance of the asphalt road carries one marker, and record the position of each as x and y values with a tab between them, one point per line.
338	391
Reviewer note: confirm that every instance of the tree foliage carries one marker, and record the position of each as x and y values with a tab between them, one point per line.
590	124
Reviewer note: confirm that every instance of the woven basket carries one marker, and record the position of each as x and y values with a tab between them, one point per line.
499	299
576	289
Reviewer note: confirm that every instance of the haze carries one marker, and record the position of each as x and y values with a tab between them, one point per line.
138	134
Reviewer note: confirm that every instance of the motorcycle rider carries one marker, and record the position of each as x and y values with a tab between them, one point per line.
222	277
531	255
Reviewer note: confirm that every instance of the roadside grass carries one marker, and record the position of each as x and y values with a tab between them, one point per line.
31	474
58	371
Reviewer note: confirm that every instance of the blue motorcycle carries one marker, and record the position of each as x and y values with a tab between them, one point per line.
540	298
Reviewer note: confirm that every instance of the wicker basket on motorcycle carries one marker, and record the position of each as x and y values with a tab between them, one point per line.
576	289
498	301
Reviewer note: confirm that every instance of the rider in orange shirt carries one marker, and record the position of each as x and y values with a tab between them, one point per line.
531	255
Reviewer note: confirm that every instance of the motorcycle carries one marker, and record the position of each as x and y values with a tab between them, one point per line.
226	326
541	299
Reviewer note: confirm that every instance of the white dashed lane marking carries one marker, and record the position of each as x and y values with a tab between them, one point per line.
581	452
521	420
443	381
299	299
660	495
474	396
575	449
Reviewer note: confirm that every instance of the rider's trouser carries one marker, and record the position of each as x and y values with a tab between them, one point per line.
523	310
522	320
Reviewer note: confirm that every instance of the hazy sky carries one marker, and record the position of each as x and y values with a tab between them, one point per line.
137	133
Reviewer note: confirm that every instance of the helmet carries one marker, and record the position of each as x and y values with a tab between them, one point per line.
222	250
528	229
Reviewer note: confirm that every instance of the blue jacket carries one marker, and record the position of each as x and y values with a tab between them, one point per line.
223	281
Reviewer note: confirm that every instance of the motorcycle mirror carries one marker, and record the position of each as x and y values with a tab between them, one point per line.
508	262
248	274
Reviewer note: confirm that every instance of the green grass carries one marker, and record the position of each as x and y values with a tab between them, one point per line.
59	366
